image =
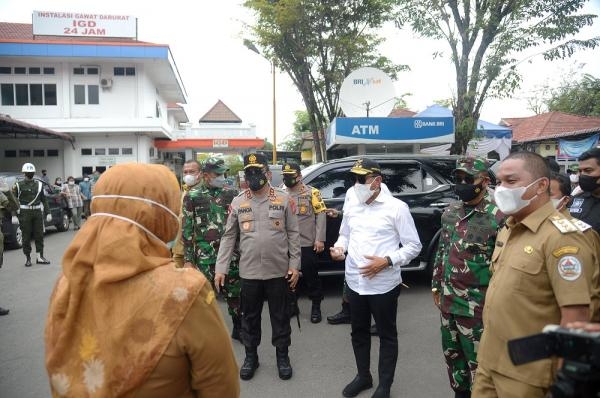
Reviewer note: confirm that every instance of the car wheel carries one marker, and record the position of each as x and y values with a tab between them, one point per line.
18	242
64	224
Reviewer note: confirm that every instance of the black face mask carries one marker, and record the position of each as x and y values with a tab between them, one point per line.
256	181
29	175
588	183
468	192
290	181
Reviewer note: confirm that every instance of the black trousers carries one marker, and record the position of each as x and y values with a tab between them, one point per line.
310	274
384	308
253	294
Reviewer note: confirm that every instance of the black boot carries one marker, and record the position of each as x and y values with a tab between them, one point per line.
315	312
28	261
3	311
283	363
250	364
381	392
462	394
341	317
237	326
357	385
41	260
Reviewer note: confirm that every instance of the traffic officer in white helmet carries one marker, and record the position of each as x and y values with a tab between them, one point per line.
33	207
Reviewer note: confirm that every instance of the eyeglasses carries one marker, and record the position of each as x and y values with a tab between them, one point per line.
362	179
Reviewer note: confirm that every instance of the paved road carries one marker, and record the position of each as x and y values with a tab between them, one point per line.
321	354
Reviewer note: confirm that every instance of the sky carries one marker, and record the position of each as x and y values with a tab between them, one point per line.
206	40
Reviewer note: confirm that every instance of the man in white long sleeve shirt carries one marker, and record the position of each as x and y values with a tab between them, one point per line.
371	233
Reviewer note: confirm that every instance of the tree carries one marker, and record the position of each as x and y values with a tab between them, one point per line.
485	37
580	98
318	43
293	141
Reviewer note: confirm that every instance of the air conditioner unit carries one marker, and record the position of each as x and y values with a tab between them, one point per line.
106	82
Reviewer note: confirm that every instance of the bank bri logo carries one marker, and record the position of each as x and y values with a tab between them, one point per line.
369	81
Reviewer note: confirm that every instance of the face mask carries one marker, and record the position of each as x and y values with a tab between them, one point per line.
218	182
71	182
256	181
468	192
510	200
556	202
86	179
149	201
289	181
363	192
29	175
190	179
588	183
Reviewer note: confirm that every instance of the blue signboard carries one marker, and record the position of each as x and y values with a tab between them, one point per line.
386	130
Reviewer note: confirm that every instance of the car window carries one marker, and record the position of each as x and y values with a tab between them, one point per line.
404	177
333	183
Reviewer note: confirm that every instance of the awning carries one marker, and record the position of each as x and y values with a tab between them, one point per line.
13	128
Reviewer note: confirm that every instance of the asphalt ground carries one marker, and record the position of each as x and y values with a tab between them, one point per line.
321	354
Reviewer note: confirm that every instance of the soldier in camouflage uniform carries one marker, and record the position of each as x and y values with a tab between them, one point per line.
33	206
461	270
8	203
205	208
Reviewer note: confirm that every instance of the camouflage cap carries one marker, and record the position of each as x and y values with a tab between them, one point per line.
290	168
215	165
365	166
255	160
471	165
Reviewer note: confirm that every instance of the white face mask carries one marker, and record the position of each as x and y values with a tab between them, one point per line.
556	202
190	179
510	200
218	182
71	182
363	192
149	201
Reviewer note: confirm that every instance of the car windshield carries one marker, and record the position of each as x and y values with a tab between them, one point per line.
307	170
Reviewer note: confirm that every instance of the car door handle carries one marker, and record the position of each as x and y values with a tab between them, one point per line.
439	204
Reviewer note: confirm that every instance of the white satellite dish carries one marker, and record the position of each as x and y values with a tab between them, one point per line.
367	92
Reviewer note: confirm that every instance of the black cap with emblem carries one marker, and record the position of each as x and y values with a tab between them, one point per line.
290	168
365	166
255	160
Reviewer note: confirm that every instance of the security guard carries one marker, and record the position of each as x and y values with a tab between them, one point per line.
542	271
264	219
586	206
33	206
8	203
205	208
310	210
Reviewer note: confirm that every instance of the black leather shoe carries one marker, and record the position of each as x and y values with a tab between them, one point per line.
28	262
283	364
315	312
381	392
357	385
42	260
341	317
3	311
249	367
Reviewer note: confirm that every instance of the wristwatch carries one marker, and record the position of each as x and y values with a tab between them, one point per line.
389	261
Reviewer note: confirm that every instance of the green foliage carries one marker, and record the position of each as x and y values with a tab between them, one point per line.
486	38
318	43
293	141
580	98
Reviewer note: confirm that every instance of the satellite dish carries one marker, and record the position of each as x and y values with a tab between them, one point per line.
367	92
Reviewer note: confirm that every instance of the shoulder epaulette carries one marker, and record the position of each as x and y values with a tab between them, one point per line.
563	225
581	225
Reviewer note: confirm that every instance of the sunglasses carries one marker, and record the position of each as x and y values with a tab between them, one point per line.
464	179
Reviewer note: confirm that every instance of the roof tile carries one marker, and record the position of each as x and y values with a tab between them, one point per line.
550	125
220	113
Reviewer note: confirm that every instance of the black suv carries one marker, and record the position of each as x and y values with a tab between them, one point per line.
423	182
13	237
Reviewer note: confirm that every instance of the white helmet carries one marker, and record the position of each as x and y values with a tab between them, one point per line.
28	168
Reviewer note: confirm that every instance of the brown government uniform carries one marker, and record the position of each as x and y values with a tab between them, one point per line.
539	265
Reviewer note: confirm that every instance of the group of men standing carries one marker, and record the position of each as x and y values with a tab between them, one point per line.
511	262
